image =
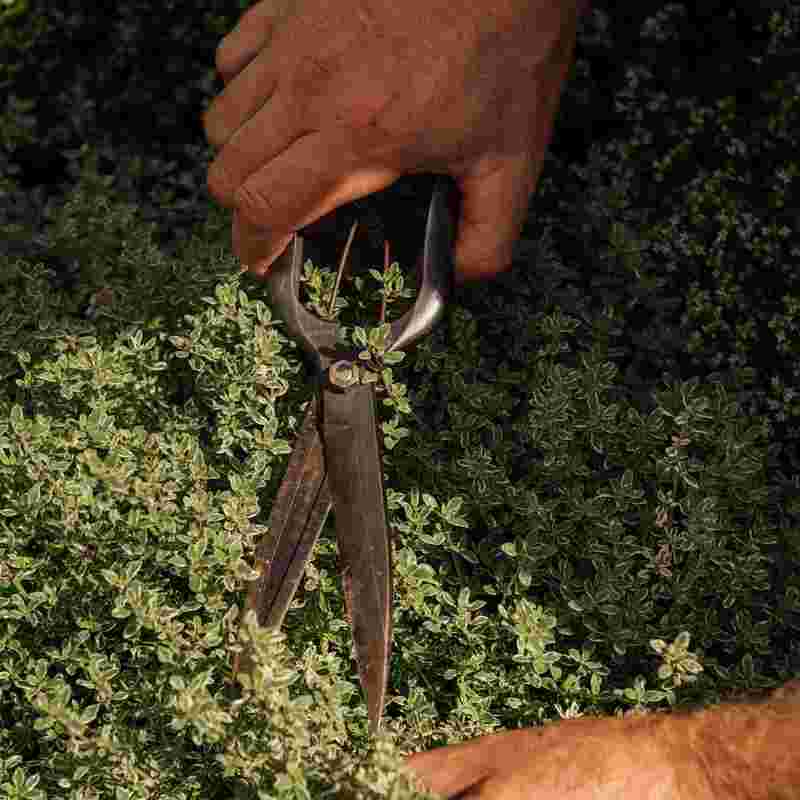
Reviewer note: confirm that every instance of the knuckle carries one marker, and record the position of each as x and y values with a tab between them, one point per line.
221	185
211	127
224	59
312	76
316	67
255	206
364	113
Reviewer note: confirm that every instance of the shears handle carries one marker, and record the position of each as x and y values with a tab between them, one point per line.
436	268
318	336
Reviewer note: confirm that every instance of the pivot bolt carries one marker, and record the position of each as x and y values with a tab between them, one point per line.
343	374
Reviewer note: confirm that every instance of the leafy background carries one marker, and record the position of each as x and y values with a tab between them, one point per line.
595	490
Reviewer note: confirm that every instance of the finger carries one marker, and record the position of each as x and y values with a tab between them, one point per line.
239	102
253	69
316	175
256	247
451	771
251	34
255	144
494	204
496	194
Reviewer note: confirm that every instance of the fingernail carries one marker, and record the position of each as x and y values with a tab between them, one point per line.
265	256
260	268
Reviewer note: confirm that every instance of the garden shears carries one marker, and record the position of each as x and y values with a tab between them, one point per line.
336	461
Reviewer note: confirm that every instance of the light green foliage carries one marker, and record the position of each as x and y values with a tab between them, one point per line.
372	343
139	451
679	664
319	285
11	8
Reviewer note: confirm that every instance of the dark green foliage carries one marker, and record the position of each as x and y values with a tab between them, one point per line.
132	79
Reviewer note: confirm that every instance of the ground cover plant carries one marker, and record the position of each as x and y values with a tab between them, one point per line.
591	467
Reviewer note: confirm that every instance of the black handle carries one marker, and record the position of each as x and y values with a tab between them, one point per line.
318	336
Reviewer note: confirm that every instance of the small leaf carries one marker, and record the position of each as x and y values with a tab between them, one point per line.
393	357
682	640
177	682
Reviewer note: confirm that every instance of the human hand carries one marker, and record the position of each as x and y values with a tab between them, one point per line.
327	101
638	758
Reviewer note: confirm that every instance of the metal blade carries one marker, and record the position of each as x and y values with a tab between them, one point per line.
355	477
297	518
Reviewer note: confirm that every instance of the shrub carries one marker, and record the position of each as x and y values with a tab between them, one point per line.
586	480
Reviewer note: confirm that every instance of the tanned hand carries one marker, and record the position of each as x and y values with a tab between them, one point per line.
732	752
327	101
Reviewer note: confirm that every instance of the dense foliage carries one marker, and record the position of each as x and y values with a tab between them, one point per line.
591	467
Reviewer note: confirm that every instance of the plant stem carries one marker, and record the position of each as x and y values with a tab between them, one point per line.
342	262
385	270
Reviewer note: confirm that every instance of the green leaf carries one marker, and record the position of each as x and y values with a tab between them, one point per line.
682	640
393	357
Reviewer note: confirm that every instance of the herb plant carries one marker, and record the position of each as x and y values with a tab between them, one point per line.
590	466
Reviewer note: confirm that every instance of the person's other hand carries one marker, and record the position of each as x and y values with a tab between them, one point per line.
327	101
638	758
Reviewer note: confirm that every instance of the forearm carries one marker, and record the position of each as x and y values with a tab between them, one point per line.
746	751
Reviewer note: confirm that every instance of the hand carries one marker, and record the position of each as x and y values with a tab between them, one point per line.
327	101
638	758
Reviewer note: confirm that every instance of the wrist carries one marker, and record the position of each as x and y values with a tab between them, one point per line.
741	750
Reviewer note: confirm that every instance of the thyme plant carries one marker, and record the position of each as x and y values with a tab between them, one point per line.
588	466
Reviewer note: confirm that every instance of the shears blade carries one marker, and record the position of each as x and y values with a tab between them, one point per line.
355	477
295	523
337	460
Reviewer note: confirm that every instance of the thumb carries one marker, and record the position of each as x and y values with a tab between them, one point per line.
453	770
494	204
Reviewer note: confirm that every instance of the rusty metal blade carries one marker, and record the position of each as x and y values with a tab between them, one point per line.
355	477
297	518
